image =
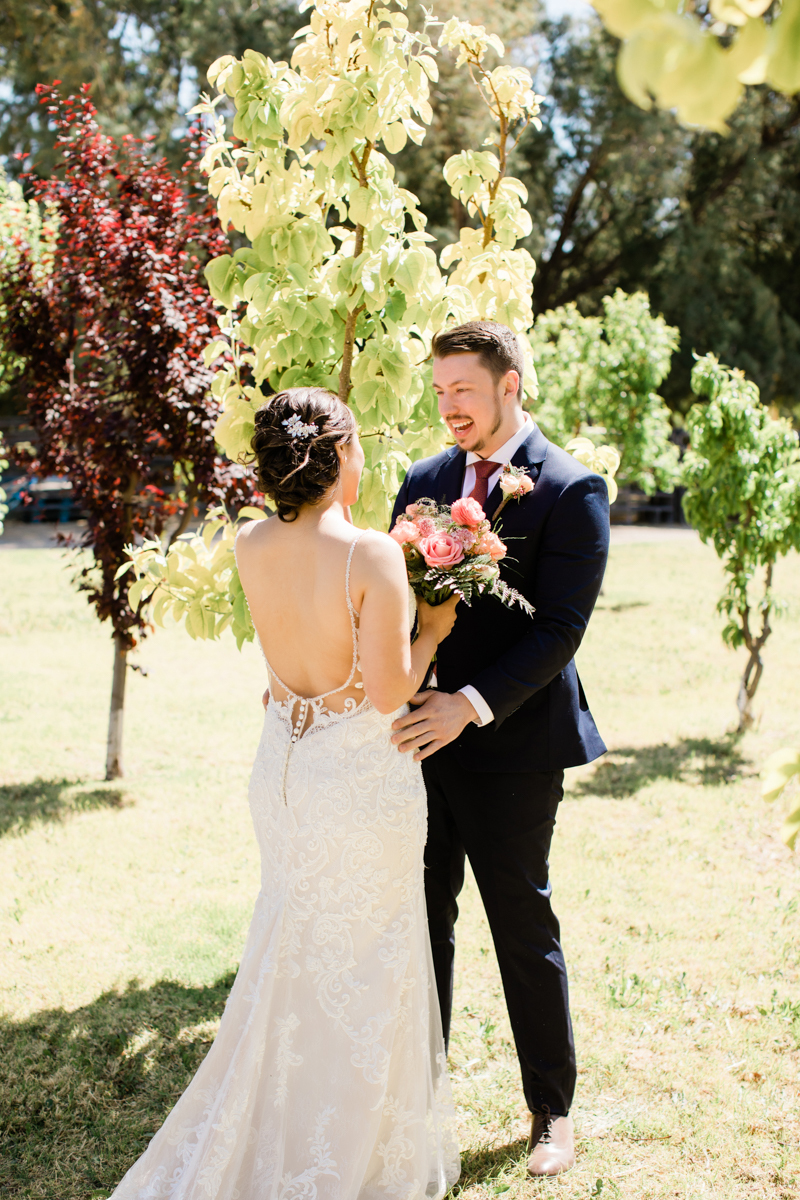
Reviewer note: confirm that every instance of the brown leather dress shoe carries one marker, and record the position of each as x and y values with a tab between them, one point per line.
552	1144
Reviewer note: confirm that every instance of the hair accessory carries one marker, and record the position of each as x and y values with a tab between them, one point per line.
296	429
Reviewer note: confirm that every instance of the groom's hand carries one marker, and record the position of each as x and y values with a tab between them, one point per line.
437	719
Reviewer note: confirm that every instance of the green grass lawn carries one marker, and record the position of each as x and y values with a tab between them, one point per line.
123	907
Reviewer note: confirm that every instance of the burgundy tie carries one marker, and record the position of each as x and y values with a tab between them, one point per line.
483	468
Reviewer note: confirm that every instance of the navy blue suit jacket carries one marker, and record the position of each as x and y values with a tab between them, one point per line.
524	667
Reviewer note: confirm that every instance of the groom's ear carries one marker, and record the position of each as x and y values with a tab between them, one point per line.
512	386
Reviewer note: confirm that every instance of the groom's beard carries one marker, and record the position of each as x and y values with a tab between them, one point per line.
497	421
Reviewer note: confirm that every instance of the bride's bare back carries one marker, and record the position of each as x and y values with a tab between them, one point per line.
294	577
294	573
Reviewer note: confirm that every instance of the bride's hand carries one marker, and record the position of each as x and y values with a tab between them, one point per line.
439	619
265	698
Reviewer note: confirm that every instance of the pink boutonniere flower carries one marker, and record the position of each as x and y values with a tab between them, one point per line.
515	482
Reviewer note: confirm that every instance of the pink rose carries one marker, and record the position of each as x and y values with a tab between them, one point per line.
426	526
441	550
467	512
490	544
412	510
405	531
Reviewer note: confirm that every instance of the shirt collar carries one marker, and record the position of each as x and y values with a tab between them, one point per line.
507	451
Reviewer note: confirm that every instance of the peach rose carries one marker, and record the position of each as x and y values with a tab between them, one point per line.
467	512
441	550
405	531
515	485
490	544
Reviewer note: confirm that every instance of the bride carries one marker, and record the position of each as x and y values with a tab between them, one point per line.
327	1079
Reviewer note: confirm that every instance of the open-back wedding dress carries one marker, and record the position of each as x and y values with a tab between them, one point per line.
327	1079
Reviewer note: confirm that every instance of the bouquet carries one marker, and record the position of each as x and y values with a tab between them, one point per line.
452	550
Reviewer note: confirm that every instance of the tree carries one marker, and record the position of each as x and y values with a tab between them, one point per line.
24	231
742	476
698	61
338	286
601	373
112	340
143	60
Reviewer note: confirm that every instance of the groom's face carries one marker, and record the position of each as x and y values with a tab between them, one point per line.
470	401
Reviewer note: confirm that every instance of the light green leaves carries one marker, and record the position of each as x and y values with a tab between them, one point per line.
603	460
779	768
673	59
196	581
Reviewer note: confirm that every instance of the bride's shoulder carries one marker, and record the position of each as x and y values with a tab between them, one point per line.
254	535
378	554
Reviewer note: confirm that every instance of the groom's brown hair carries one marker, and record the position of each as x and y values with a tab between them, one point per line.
496	346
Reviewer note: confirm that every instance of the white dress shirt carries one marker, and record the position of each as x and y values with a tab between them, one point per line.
501	456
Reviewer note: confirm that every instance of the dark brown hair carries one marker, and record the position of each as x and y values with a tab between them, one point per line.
496	346
300	469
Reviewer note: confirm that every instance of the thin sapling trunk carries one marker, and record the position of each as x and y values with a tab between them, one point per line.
114	747
755	664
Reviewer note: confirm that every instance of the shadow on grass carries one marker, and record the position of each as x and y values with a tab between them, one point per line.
482	1165
50	800
690	760
82	1093
622	606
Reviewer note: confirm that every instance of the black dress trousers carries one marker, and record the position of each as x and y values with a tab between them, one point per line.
504	824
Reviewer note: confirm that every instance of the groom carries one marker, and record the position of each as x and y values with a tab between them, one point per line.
509	713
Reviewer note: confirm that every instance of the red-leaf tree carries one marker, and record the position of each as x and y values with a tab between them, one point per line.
113	342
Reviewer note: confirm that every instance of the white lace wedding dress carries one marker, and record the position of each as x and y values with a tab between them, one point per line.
327	1079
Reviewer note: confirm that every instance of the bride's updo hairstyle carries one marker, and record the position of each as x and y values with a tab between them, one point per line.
294	443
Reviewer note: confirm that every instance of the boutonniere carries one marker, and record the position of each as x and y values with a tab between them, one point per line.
515	482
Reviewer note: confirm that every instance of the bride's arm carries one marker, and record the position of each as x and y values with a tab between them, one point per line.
391	668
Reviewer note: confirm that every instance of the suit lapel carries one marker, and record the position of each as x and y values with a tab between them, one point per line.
531	454
450	479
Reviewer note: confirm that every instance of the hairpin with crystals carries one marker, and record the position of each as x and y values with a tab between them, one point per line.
296	429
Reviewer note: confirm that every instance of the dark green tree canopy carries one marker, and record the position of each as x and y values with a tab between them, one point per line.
146	61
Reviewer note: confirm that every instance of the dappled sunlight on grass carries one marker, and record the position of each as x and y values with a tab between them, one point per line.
680	906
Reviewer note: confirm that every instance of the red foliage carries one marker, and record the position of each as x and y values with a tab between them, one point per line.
113	340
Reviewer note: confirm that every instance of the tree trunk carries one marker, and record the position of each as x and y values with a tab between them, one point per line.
747	689
755	664
114	748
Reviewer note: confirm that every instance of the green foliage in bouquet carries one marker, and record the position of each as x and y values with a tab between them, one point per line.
599	378
779	768
696	59
742	475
